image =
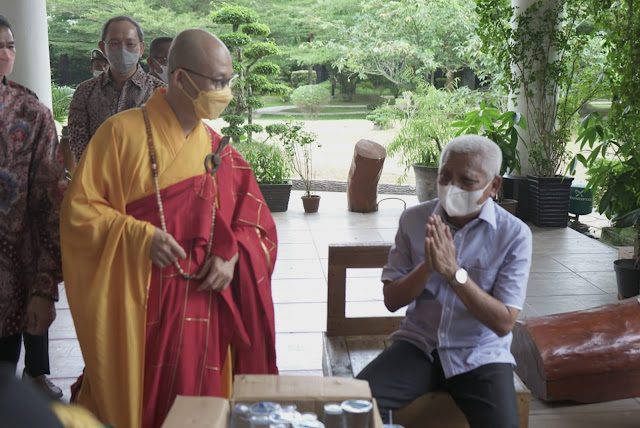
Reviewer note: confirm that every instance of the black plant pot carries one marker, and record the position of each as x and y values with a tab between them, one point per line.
627	277
276	196
549	200
517	187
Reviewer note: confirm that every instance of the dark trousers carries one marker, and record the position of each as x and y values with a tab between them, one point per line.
36	350
403	372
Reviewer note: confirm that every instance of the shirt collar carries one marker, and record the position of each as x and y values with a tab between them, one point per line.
487	213
137	79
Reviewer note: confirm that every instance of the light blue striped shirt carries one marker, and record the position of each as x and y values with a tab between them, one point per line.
495	249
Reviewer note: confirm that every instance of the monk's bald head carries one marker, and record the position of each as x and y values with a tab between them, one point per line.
202	52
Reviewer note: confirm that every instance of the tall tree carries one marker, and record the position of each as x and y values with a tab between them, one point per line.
399	38
249	45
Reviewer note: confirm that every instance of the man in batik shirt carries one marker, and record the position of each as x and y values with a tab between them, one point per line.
31	188
167	265
125	85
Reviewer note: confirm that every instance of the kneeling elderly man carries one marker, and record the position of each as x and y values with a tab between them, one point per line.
461	264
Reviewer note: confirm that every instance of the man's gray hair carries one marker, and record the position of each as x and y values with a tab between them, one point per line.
489	152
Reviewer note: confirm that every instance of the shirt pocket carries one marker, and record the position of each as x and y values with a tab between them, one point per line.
483	276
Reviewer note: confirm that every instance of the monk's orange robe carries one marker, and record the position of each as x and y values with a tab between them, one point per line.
146	333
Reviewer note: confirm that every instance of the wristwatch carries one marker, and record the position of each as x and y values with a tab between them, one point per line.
459	278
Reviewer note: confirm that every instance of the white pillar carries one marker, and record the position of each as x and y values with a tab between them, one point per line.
528	136
28	19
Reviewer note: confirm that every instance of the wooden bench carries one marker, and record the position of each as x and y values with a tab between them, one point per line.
349	344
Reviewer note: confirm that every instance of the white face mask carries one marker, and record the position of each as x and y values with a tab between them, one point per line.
122	60
460	203
165	73
97	73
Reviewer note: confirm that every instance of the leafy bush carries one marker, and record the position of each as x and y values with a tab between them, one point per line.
384	116
301	77
428	126
608	167
310	99
256	29
270	164
60	100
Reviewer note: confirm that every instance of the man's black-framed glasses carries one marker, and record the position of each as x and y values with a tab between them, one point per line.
218	84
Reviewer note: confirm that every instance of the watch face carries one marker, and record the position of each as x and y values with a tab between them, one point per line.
461	276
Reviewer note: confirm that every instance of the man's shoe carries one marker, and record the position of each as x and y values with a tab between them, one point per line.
45	385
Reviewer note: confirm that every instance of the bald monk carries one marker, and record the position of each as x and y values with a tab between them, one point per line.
168	265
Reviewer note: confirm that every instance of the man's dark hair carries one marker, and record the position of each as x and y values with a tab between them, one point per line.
4	23
105	27
154	49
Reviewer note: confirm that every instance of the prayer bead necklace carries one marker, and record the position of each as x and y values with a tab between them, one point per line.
163	223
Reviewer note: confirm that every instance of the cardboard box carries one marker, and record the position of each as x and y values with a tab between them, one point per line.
308	393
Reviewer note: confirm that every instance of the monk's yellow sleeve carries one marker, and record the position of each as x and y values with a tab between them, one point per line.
107	269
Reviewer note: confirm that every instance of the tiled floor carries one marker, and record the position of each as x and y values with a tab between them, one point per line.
570	271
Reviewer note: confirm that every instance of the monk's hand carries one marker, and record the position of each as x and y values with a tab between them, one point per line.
440	244
165	249
217	273
41	312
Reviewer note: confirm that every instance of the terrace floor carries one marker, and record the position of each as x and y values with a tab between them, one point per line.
570	272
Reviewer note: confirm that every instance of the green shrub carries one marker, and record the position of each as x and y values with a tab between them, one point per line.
60	100
384	116
301	77
427	125
256	29
310	99
609	167
270	164
233	40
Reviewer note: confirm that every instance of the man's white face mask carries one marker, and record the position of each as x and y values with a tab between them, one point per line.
97	73
165	73
458	202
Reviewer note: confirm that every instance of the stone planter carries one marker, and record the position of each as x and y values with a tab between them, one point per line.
510	205
276	196
426	182
549	200
517	187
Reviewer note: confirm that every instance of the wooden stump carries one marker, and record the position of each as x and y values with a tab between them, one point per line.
364	175
585	356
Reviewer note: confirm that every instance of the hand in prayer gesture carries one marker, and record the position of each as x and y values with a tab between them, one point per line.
165	249
217	273
439	244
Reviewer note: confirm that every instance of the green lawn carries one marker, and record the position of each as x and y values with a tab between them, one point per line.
328	109
325	117
358	99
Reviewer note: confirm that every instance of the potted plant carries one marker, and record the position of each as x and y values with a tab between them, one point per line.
501	128
271	167
616	139
426	128
299	145
541	51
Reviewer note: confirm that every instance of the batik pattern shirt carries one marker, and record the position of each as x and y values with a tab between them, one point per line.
31	188
97	99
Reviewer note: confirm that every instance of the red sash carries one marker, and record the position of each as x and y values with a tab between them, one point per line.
188	332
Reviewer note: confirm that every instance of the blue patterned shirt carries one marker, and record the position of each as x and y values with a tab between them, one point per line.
495	249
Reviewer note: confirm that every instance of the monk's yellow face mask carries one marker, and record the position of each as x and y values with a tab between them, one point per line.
209	104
